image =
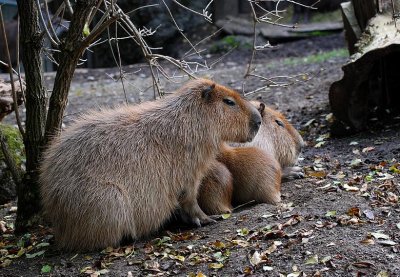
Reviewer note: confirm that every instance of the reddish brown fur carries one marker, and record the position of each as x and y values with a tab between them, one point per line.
256	174
257	167
122	172
215	200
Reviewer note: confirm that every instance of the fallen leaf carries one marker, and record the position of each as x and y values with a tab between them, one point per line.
368	241
398	225
5	263
330	213
247	271
386	242
309	122
369	214
268	268
177	257
226	216
268	215
271	249
329	117
218	244
354	211
215	265
319	144
326	259
350	188
293	274
363	264
368	149
3	228
382	273
30	256
355	163
317	174
353	143
312	260
239	242
46	269
255	258
242	232
380	236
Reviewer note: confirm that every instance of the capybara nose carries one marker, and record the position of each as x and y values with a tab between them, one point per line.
255	121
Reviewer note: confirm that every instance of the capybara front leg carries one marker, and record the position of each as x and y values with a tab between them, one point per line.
190	211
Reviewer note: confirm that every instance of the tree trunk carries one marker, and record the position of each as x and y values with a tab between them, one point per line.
71	51
38	130
369	87
31	45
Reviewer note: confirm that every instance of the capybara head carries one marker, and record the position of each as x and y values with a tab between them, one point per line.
277	134
236	119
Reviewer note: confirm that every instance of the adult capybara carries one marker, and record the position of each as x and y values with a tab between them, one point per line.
122	172
257	167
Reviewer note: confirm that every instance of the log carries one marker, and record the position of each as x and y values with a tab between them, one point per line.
369	86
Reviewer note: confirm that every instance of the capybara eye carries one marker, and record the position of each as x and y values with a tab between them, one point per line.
280	123
229	102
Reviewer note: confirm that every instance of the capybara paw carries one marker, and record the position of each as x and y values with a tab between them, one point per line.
208	220
292	173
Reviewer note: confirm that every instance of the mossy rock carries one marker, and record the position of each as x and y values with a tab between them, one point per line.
14	142
16	146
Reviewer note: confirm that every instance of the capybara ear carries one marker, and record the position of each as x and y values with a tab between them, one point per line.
207	92
261	109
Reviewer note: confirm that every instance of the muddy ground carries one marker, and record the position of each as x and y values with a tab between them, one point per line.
342	219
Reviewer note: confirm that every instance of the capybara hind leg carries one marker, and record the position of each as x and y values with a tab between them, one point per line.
94	221
215	192
291	173
269	196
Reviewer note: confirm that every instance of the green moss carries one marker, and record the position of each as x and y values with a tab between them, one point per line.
15	143
317	58
229	42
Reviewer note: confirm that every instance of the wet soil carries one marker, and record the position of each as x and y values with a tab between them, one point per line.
342	219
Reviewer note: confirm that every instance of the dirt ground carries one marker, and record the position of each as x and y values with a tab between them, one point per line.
342	219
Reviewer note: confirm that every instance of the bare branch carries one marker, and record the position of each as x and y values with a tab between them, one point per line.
69	7
205	14
44	24
179	29
14	94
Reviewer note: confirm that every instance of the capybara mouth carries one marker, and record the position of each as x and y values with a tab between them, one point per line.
252	134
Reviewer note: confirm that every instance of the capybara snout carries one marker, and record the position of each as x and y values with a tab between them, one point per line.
255	122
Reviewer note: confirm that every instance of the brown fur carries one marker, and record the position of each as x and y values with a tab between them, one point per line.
122	172
256	174
215	197
257	167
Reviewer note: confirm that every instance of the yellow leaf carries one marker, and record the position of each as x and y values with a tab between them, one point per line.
215	265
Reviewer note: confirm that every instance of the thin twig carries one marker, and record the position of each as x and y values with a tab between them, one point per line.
50	22
244	204
205	13
44	25
179	29
10	71
69	7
